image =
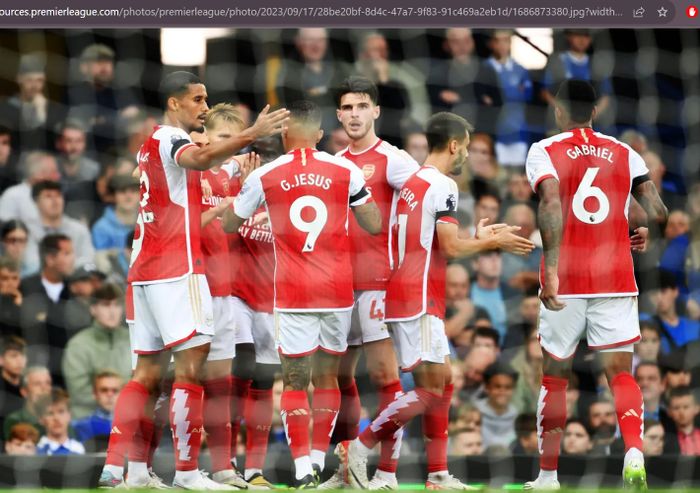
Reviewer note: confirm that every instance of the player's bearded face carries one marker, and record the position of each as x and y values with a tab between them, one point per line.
193	107
460	157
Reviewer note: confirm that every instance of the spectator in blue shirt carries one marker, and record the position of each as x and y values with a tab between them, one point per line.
55	417
94	429
516	88
574	63
110	231
676	331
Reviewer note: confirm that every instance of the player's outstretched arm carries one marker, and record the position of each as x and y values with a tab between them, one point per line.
203	158
648	197
549	221
368	217
451	246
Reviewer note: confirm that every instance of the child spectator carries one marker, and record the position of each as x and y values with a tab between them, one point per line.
650	344
93	430
683	409
22	440
577	438
13	360
468	416
497	411
466	442
526	435
653	438
10	298
55	417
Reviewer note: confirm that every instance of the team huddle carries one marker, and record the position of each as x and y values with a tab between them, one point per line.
310	259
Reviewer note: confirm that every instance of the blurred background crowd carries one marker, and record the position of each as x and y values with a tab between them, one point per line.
75	106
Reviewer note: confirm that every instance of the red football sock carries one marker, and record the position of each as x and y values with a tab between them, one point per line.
217	422
127	417
435	421
551	420
140	445
186	423
629	405
296	416
258	420
390	448
397	414
239	391
326	403
348	424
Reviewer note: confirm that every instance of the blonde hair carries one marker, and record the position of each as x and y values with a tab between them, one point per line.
223	112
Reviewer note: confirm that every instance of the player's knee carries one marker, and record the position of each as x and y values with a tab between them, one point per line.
383	375
244	362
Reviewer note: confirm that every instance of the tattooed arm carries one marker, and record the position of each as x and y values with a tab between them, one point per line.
644	190
549	221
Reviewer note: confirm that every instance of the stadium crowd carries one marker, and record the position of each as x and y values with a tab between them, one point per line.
68	207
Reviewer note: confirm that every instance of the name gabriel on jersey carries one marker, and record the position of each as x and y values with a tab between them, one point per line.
307	179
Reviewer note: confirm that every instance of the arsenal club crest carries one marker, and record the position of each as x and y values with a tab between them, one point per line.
368	170
225	184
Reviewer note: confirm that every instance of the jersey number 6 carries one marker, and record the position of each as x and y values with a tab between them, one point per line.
585	190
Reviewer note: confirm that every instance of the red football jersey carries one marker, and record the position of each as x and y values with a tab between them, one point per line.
307	194
255	281
417	286
167	240
595	174
214	239
386	169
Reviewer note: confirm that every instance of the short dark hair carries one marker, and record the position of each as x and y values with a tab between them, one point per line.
44	185
581	422
667	280
107	292
11	225
650	325
5	130
499	368
305	112
13	343
443	127
680	392
72	124
176	84
525	424
51	245
488	333
485	189
579	98
357	84
647	363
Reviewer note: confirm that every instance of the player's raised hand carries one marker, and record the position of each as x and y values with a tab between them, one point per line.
483	231
548	294
510	242
247	164
269	123
638	241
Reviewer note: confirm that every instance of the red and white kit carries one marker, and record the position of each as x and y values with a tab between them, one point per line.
415	296
596	275
172	303
254	288
307	194
218	268
385	168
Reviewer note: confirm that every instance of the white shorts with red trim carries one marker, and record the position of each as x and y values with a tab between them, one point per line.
223	345
607	323
300	334
168	314
422	339
243	318
368	318
264	338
